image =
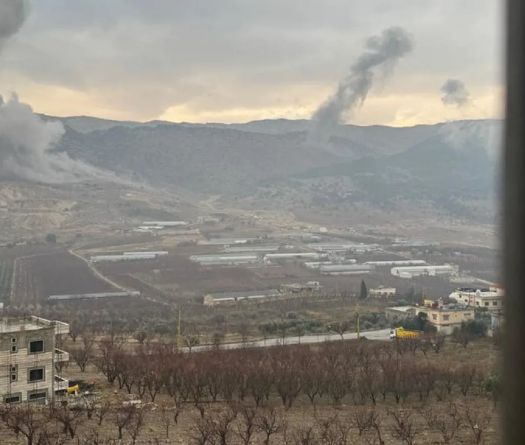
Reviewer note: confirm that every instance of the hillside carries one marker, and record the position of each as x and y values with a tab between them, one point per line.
450	166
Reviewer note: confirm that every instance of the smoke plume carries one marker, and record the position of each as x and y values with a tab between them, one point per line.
455	93
382	52
26	144
27	141
12	15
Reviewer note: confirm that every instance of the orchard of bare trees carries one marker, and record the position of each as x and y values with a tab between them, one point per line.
339	393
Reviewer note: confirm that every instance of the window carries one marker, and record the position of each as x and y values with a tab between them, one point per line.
36	346
14	349
446	317
37	395
494	303
12	398
486	303
14	373
434	317
36	374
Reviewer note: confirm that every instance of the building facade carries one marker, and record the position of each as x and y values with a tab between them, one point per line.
447	318
490	298
28	357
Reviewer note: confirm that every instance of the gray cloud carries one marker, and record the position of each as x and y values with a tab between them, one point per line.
381	53
454	92
204	54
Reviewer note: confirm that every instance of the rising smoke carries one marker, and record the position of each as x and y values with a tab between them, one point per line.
27	141
26	144
454	92
12	16
381	53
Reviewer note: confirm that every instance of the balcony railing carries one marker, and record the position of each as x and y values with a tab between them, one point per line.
61	384
61	356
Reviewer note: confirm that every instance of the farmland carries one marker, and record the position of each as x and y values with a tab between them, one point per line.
40	275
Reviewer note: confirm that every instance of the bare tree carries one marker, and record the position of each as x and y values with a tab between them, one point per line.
246	429
82	355
446	423
477	419
202	431
124	416
270	422
222	426
332	431
404	427
101	411
340	327
67	417
305	435
26	420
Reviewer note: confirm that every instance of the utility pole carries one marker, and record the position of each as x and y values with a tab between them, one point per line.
357	324
179	336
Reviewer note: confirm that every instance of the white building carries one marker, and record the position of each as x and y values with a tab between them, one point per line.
416	271
224	259
397	263
345	269
222	298
292	255
162	224
490	298
28	357
382	292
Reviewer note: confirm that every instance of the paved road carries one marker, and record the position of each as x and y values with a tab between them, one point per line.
382	334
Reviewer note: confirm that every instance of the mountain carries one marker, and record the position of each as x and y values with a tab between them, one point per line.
451	166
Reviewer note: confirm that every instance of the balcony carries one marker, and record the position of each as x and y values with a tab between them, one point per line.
61	384
61	356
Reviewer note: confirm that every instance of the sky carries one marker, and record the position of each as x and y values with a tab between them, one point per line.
242	60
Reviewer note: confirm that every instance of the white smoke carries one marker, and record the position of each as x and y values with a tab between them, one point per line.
454	92
381	53
27	141
26	148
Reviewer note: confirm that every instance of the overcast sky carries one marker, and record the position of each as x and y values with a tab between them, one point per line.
240	60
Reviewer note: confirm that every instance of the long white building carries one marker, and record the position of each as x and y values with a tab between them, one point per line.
224	259
397	263
416	271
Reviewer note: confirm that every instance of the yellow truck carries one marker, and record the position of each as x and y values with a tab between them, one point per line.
403	333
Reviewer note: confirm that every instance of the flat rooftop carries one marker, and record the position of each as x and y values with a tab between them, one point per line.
31	323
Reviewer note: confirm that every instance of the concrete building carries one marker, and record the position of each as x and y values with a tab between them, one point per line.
27	359
382	292
398	313
448	317
417	271
489	298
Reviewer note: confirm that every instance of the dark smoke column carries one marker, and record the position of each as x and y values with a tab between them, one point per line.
381	52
